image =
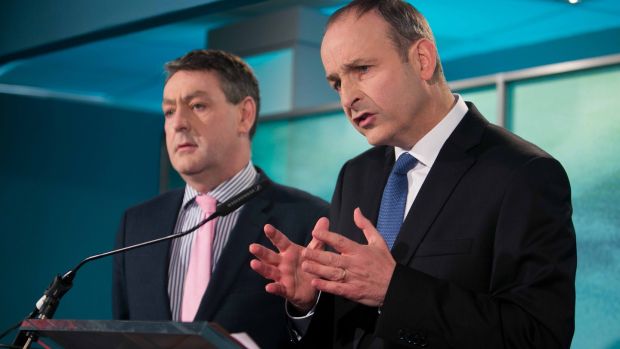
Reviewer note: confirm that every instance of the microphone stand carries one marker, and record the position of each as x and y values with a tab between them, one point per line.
46	306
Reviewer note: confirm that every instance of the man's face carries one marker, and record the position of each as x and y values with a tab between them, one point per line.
203	129
379	92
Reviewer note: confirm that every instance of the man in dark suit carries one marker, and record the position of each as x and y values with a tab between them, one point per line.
210	105
474	245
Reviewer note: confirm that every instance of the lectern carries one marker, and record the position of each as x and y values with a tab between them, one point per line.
106	334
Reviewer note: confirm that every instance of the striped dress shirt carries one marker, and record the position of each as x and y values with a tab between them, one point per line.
190	214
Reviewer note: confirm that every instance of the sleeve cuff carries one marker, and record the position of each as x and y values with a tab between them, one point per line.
300	323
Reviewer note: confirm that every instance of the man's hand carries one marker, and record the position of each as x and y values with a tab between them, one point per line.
284	267
360	273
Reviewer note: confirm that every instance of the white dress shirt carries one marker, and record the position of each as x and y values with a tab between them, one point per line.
428	147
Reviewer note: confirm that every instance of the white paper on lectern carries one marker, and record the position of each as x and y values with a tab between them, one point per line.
246	340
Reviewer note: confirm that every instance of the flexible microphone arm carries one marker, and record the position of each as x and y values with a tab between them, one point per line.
47	305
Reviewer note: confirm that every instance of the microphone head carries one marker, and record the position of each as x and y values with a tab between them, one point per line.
236	201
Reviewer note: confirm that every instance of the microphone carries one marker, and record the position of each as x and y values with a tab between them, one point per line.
46	306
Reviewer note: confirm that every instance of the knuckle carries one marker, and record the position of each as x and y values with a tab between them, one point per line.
357	294
337	289
332	259
340	240
341	291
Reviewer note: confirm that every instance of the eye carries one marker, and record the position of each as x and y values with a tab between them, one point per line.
362	69
168	113
198	107
336	85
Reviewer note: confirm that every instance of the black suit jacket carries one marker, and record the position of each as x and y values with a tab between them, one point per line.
486	256
236	297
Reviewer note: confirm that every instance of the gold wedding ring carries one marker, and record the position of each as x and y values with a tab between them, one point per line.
344	274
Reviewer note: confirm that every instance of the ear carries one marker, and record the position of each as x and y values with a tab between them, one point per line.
423	57
247	115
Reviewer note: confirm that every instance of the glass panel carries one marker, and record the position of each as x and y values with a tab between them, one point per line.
308	152
575	118
485	99
270	148
273	71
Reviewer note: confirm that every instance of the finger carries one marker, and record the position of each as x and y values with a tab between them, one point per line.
370	232
336	241
265	270
264	254
325	258
315	244
276	288
338	288
321	224
322	271
279	240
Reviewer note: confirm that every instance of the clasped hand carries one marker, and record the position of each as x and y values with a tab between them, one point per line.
359	272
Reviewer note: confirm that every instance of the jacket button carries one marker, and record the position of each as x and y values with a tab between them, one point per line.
415	338
402	334
419	339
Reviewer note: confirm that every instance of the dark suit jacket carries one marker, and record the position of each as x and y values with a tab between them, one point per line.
236	297
486	256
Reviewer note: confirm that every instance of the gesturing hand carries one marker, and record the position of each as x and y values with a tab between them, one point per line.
358	272
284	267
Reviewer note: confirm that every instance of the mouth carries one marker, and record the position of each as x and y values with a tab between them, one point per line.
185	147
364	119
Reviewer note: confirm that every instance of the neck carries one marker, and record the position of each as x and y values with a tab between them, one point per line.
441	101
209	179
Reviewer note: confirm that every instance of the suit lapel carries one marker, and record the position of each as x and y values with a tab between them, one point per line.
368	196
370	202
162	225
235	255
449	167
376	192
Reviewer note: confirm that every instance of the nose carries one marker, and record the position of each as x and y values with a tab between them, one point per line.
179	120
350	95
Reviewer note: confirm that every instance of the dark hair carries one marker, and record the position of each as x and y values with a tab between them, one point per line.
235	76
407	24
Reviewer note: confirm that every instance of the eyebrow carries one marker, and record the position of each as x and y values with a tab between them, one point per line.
189	97
349	67
332	77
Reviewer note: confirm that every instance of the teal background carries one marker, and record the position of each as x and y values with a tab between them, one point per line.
575	118
485	99
67	172
307	152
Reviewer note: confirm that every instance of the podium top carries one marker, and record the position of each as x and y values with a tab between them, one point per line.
106	334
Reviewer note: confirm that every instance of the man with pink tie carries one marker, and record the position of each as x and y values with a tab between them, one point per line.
210	106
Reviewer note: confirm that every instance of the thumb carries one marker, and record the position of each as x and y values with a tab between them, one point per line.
370	232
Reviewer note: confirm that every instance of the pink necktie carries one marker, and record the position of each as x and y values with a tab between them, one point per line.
199	270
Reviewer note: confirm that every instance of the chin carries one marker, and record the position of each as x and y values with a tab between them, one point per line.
376	140
374	136
184	168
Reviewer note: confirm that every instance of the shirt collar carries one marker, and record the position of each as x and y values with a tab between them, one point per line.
227	189
427	148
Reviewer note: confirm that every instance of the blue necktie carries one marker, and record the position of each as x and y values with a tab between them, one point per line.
392	211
